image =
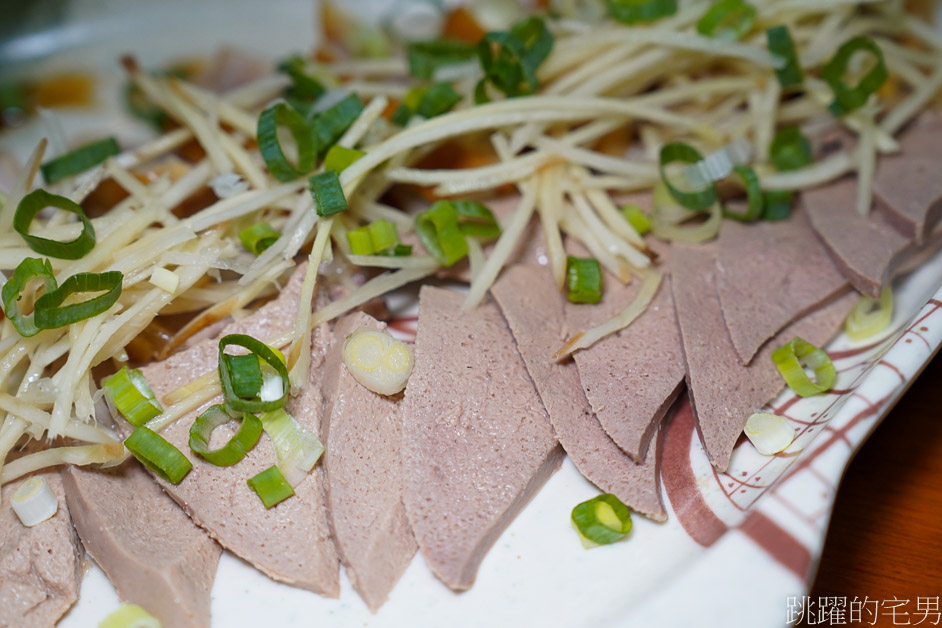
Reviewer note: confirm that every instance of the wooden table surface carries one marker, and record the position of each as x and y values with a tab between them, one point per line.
885	537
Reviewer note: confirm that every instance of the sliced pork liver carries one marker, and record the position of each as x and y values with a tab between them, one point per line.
477	442
769	274
290	542
533	308
866	249
152	553
723	392
364	475
631	378
40	567
909	189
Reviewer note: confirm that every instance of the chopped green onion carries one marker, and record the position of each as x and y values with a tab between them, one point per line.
49	312
847	98
233	451
781	44
869	317
158	455
297	448
519	54
79	160
130	616
778	205
271	487
382	235
476	220
34	502
305	90
401	115
439	98
727	19
583	280
269	144
35	202
328	193
245	373
427	56
266	353
602	520
668	219
634	11
754	197
331	124
636	218
258	237
339	158
790	149
128	392
438	229
791	358
27	270
696	200
360	241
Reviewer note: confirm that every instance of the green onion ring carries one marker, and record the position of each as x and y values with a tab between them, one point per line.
271	486
242	442
79	160
476	219
602	520
50	313
158	455
847	98
729	20
29	268
639	221
679	152
778	205
439	98
38	200
869	316
667	217
339	158
269	145
790	360
266	353
129	393
755	198
583	280
634	11
781	44
790	149
258	237
331	124
245	373
328	193
440	234
427	56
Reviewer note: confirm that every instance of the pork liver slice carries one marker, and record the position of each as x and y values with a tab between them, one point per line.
152	553
290	542
364	475
40	567
723	392
866	249
533	308
909	189
769	274
477	443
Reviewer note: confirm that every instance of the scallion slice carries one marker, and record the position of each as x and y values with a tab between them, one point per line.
328	193
695	200
870	316
727	19
846	97
158	455
304	90
377	238
258	237
640	221
777	205
245	374
791	360
297	448
128	392
35	202
34	502
754	198
438	229
49	312
779	40
269	145
634	11
437	99
790	149
382	235
331	124
79	160
583	280
427	56
270	485
27	270
130	616
261	350
602	520
476	220
510	59
242	442
339	158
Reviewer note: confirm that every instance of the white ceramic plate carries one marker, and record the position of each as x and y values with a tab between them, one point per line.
736	544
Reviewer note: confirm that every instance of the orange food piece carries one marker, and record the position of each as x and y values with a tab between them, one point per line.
460	24
615	142
390	108
68	90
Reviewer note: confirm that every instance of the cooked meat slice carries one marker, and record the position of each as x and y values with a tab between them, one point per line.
922	137
364	475
723	392
290	542
866	249
769	274
909	189
477	443
41	566
533	308
152	553
631	378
